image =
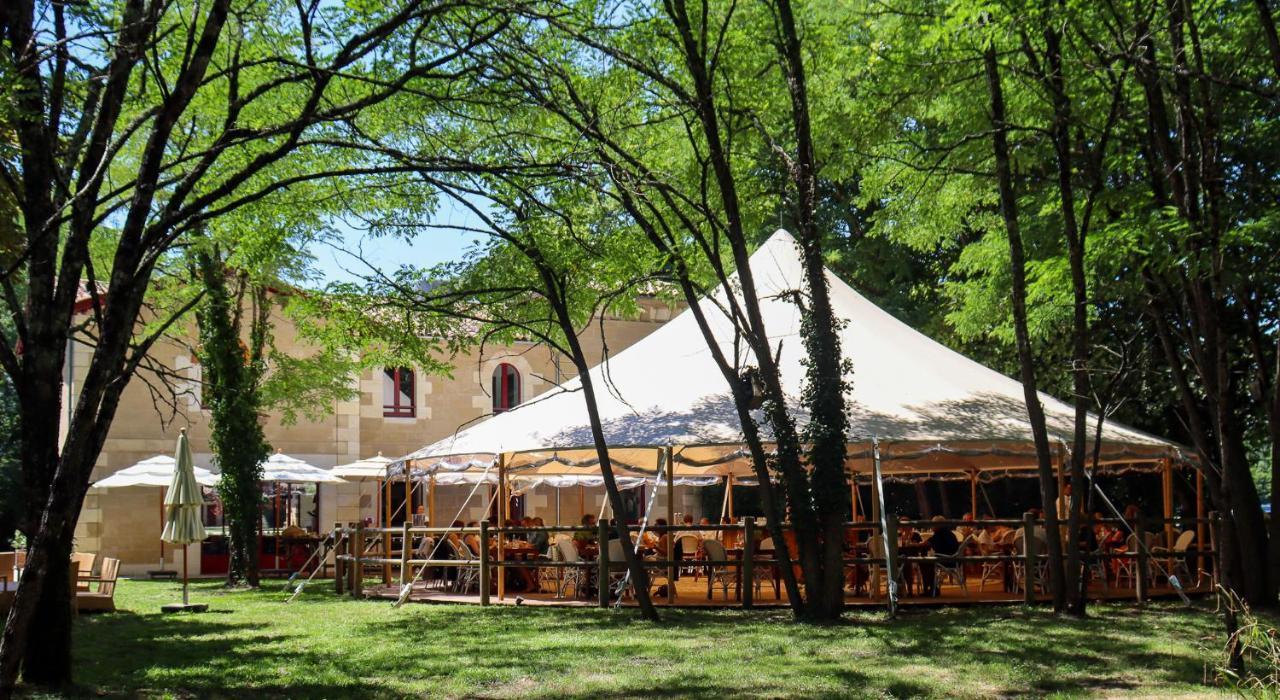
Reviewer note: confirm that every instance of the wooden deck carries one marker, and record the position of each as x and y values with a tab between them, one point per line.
693	593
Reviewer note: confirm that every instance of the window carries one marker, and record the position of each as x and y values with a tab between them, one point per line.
397	393
506	388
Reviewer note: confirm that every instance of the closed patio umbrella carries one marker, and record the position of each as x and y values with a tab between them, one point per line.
183	522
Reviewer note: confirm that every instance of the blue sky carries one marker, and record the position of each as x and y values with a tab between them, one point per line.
430	247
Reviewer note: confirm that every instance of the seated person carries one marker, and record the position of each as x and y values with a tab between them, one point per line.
471	539
966	530
943	541
586	538
706	534
540	540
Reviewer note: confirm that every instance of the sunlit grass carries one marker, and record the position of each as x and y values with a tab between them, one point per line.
251	643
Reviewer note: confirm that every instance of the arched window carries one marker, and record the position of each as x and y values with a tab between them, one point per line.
506	388
397	393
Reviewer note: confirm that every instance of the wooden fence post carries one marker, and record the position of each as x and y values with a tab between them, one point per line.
484	562
339	551
1140	586
1029	558
891	559
602	561
406	544
357	570
747	573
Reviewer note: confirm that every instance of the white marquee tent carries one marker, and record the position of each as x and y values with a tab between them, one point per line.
930	408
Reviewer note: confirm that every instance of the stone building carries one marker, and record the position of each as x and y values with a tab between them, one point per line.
396	411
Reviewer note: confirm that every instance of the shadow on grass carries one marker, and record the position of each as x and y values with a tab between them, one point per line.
325	646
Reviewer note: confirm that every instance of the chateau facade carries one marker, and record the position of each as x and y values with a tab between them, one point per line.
395	411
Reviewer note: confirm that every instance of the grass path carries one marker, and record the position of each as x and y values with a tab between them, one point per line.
251	644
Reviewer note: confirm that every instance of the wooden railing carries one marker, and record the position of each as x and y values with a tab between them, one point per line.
389	549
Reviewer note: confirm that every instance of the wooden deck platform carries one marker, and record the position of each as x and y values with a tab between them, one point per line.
693	593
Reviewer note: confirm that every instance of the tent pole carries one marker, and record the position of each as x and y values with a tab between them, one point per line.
1200	542
973	493
729	495
1167	472
275	519
671	522
163	491
431	501
503	506
876	499
1062	488
410	497
853	497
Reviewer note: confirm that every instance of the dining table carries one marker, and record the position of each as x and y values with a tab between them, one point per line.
519	550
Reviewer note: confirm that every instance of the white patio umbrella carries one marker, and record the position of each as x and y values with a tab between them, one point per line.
365	470
183	522
283	469
154	472
280	468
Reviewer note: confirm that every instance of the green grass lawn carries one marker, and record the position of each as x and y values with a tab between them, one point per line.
252	644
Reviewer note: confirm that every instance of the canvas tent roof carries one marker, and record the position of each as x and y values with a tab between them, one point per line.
931	408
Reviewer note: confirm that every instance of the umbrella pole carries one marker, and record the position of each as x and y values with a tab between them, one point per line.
163	489
185	600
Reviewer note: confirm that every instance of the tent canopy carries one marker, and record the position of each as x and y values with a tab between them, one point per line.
156	472
930	408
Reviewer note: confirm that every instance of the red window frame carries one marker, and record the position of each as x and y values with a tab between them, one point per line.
503	376
397	409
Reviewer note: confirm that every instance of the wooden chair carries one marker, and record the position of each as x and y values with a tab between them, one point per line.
717	571
84	564
104	598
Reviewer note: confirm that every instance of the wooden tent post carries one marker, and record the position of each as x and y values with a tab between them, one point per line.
503	506
582	501
973	493
876	497
1200	524
431	501
410	491
853	497
1062	490
163	491
729	495
670	554
385	524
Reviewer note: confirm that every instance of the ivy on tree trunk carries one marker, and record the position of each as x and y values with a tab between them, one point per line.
232	378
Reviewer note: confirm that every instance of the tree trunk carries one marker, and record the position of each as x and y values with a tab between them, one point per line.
826	384
1035	412
555	295
1075	583
789	451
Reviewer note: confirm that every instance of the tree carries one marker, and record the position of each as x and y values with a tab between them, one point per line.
1132	129
543	276
1017	267
232	376
672	142
162	118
